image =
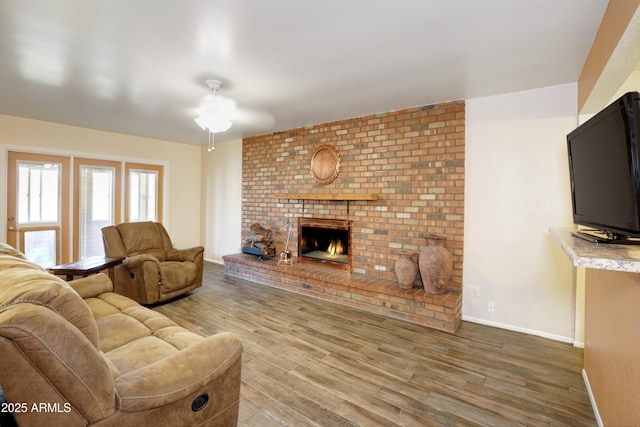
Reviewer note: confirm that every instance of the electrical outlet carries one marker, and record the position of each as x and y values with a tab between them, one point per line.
474	291
491	307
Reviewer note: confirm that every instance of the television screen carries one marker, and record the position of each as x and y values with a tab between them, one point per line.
603	166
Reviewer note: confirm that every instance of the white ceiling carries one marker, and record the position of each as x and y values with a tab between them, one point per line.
139	66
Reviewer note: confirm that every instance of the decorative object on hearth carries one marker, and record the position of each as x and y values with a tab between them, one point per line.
325	164
406	267
260	242
285	256
436	264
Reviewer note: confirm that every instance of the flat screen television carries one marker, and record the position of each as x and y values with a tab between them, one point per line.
605	173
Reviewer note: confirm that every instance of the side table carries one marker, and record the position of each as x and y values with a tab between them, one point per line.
87	266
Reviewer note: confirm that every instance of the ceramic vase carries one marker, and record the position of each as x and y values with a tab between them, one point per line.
406	269
436	264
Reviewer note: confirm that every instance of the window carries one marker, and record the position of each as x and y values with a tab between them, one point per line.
97	204
37	206
38	194
144	192
40	222
40	246
96	208
143	195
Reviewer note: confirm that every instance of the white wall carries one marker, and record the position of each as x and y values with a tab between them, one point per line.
222	200
517	186
632	83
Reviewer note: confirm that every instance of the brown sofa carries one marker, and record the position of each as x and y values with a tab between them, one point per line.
78	354
153	270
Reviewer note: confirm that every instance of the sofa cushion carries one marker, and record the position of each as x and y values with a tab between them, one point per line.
51	359
24	283
150	349
6	249
117	330
176	275
142	238
140	353
133	336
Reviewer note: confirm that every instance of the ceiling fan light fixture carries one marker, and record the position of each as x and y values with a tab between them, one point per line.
213	122
214	118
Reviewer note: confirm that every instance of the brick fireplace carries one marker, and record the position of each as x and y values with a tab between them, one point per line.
401	177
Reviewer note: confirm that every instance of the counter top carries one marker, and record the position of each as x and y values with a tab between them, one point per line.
597	255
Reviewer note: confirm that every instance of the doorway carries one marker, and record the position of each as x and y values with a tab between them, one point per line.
37	207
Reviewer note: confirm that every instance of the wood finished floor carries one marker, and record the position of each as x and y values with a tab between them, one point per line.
308	362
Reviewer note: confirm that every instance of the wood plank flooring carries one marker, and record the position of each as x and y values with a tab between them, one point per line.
308	362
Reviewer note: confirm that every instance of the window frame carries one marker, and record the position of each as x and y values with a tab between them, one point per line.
159	169
78	162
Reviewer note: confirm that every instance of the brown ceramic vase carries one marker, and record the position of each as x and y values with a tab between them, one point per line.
406	269
436	264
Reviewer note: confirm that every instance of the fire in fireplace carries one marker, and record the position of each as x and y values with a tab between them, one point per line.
326	241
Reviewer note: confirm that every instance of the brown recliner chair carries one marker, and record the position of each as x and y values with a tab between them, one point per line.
153	270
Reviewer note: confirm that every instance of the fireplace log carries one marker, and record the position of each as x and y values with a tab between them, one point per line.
260	241
259	234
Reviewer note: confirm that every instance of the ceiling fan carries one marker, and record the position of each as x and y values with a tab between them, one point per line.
218	113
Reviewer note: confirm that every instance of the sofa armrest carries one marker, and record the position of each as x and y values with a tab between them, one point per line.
92	286
189	254
178	376
137	260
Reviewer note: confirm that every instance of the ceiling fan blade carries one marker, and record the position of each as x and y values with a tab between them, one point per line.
256	119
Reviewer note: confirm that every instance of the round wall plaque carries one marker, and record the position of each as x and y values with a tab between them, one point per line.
325	164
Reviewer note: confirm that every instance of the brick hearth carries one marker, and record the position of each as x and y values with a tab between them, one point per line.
372	294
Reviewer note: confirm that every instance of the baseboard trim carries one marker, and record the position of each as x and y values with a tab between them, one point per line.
592	399
554	337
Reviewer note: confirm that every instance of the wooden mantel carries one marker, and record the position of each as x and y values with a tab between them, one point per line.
326	196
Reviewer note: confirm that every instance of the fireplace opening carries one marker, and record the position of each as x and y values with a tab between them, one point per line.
325	241
329	245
